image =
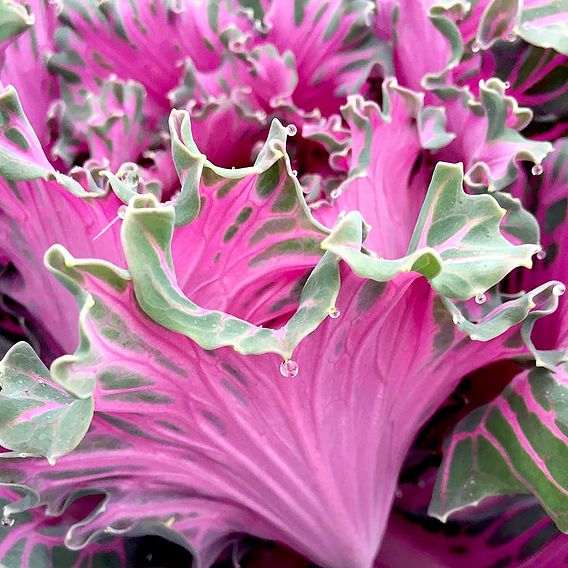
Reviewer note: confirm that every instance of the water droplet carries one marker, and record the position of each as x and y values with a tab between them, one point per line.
559	289
289	369
541	254
398	493
480	298
334	313
536	170
507	85
475	46
232	167
7	521
122	211
511	37
41	383
294	172
291	130
261	115
132	178
335	193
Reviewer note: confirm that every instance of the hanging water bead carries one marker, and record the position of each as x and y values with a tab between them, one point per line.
480	298
334	313
122	211
475	46
132	179
559	289
507	84
541	254
291	130
294	173
289	369
335	193
536	170
7	521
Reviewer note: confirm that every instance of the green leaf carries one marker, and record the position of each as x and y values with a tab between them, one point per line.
525	309
546	25
191	165
37	417
147	234
456	244
14	20
518	443
21	156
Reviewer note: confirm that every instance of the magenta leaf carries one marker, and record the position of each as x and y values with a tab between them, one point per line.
487	138
378	159
24	68
230	468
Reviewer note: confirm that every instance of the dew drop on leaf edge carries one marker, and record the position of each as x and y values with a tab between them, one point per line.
291	130
289	369
7	521
480	298
536	170
334	313
559	289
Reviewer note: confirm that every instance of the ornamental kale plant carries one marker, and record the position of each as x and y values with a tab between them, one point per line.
265	279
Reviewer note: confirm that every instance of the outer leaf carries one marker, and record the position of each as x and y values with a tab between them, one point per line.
457	239
37	418
236	464
515	444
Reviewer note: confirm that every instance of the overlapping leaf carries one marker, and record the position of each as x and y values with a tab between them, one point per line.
515	444
36	417
456	242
